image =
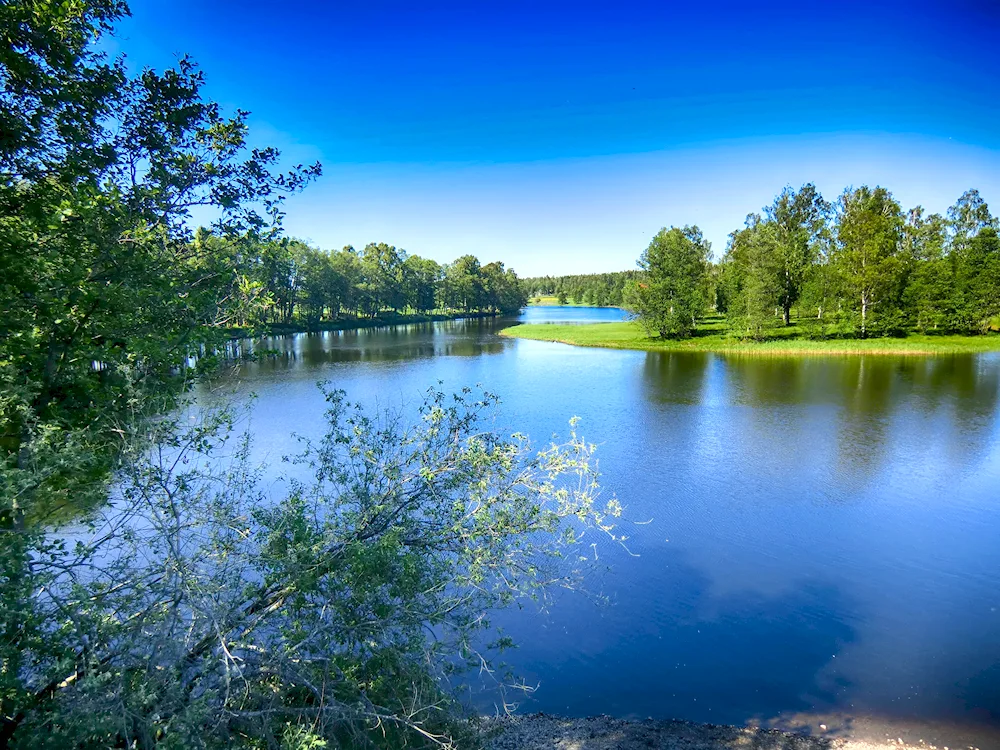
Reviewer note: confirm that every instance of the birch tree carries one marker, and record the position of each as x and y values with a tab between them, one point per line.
869	227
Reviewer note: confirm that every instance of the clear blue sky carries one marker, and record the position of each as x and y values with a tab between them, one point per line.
559	137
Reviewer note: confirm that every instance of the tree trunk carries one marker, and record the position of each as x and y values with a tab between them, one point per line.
864	313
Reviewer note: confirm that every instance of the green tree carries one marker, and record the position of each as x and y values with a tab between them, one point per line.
800	221
977	282
671	294
277	264
382	268
755	278
347	266
422	279
968	217
502	290
463	284
219	618
105	289
321	288
869	233
823	292
929	295
102	277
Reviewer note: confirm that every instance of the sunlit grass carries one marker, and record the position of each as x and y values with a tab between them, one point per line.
712	337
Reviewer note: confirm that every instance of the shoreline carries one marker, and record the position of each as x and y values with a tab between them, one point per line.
550	303
628	335
351	324
548	732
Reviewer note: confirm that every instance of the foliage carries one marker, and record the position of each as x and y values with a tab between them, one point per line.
976	268
598	289
103	283
928	294
672	293
867	255
754	278
197	612
866	269
307	285
799	219
968	217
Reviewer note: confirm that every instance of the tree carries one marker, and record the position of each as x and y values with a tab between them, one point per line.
977	282
422	278
101	279
106	291
823	290
463	285
755	278
603	288
321	287
869	228
671	294
972	263
57	88
382	268
800	219
968	217
502	290
278	269
199	613
929	295
347	266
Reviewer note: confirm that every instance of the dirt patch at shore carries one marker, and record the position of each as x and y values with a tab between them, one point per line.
544	732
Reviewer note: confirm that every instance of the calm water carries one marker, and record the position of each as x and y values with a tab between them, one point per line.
825	532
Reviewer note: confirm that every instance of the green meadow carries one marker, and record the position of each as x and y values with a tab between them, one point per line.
711	336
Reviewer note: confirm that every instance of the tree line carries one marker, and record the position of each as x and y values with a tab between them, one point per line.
598	289
858	267
307	285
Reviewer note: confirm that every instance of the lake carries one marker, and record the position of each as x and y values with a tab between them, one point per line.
823	536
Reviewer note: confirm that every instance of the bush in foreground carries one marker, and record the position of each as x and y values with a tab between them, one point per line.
197	612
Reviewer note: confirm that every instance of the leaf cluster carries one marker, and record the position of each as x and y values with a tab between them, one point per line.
197	611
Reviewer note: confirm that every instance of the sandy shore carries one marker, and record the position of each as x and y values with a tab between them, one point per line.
545	732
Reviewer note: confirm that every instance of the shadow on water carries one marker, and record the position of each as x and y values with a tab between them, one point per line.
683	651
402	343
868	402
676	377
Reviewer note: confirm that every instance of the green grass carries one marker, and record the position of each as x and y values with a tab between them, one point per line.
711	337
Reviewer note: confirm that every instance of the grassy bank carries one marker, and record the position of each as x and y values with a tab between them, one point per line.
713	338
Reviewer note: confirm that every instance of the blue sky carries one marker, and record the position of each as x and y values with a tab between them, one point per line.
559	137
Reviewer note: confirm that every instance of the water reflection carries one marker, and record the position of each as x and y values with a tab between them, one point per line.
860	410
674	377
832	522
467	338
678	650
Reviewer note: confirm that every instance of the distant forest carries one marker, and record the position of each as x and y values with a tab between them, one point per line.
306	285
600	289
